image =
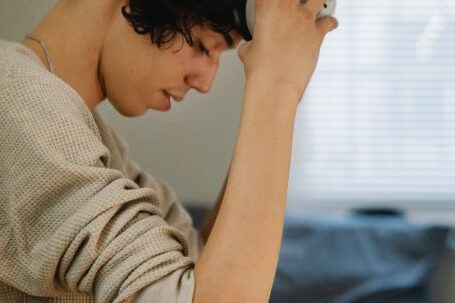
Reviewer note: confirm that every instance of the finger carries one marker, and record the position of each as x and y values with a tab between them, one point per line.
242	50
327	24
314	5
266	4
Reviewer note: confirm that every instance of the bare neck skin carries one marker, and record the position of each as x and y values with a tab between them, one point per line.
73	32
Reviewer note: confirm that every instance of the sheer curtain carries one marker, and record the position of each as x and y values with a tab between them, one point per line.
376	126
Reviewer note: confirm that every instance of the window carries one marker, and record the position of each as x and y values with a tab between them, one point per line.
376	126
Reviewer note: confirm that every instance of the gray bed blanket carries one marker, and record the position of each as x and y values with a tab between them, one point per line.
358	258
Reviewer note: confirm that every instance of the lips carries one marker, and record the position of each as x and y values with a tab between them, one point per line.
176	98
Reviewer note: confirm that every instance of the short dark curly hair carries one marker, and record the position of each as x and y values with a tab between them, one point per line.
164	19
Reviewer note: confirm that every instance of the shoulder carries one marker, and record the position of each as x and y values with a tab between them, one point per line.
41	114
28	91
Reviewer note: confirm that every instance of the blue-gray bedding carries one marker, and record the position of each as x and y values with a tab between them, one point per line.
358	258
374	259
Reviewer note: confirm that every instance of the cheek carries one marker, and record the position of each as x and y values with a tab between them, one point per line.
135	73
133	96
126	69
119	89
129	88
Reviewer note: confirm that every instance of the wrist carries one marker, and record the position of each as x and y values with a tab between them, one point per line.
263	91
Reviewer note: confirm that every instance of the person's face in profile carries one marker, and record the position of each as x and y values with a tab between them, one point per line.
135	73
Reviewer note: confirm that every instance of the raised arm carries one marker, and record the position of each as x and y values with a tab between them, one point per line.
239	260
208	224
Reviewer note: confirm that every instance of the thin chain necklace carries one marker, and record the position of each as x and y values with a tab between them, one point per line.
46	52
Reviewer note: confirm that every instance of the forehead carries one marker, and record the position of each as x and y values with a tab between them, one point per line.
230	40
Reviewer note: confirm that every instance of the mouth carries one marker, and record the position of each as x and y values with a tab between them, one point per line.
175	98
167	102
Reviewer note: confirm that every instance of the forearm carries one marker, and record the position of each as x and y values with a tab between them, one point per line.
239	260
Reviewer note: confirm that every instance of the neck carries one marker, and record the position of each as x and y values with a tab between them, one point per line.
73	32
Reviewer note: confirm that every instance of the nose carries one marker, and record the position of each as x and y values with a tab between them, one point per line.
202	74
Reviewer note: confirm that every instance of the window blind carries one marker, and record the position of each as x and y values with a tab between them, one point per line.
376	126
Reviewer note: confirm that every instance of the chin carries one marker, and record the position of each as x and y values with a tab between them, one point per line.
130	115
128	111
134	112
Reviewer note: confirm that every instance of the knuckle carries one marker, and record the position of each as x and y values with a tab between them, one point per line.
262	5
306	13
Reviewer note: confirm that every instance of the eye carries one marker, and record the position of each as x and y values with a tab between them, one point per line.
203	49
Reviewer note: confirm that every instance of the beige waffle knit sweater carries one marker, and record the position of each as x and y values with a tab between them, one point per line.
78	221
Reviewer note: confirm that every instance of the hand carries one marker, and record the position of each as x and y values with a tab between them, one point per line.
286	42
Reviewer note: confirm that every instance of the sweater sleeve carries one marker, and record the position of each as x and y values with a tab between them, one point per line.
69	222
176	215
182	280
173	211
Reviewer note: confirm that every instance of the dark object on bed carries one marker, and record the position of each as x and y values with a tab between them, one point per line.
367	257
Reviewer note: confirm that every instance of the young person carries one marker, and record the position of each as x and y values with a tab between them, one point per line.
79	221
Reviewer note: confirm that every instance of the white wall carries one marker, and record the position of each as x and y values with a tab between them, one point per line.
190	147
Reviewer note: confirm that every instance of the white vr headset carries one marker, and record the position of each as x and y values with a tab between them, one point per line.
244	16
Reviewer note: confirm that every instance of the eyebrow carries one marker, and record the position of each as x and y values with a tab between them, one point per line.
228	40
